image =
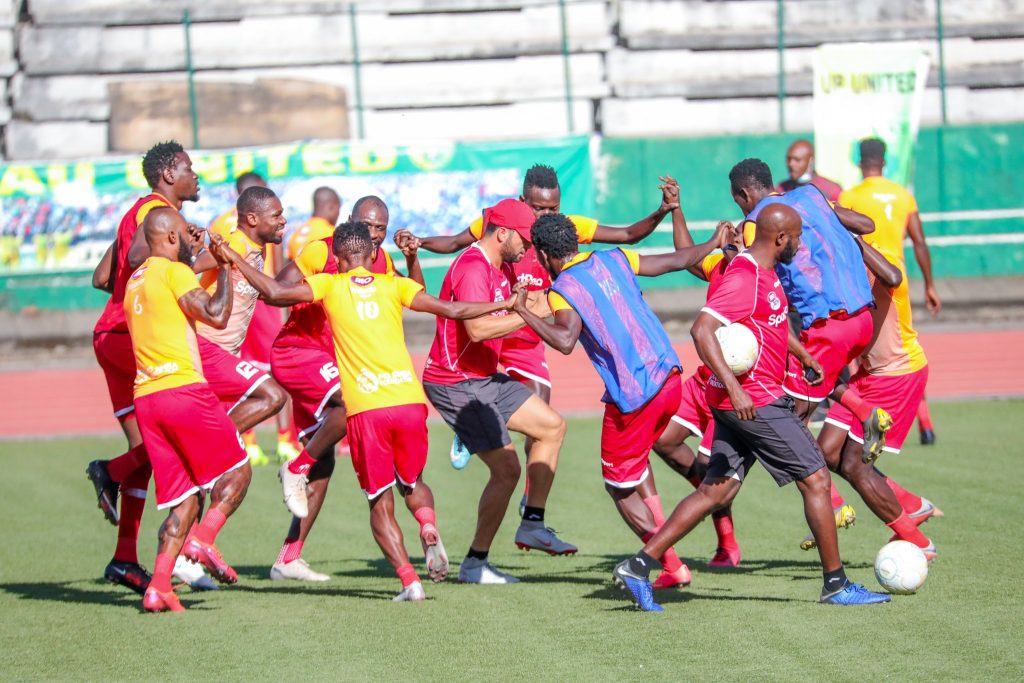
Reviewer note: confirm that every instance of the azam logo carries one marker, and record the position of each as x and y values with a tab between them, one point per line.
362	280
138	273
773	301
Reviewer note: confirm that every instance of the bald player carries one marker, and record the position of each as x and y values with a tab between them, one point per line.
754	418
800	162
167	168
192	444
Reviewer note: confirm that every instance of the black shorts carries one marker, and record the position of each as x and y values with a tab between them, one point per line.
479	409
776	437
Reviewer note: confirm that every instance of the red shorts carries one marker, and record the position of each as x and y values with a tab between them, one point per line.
263	330
694	413
232	379
310	377
388	444
899	395
834	343
117	359
524	361
627	438
190	441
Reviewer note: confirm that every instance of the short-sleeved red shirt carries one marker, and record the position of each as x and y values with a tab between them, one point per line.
753	297
453	356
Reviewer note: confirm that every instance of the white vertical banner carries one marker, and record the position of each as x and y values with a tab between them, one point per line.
867	90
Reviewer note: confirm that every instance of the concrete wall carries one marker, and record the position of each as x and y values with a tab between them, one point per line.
488	68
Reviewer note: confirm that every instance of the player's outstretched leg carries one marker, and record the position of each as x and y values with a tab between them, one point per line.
539	422
124	568
420	502
634	573
227	495
289	564
674	451
636	507
837	588
159	595
388	535
505	471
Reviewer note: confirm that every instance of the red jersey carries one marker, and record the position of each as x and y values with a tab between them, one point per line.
112	319
753	297
453	356
307	325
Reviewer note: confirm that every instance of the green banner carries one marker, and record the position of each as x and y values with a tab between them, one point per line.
62	216
867	90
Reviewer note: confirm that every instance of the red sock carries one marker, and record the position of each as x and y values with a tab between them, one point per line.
425	515
910	502
207	530
855	404
924	418
407	574
162	569
670	562
906	530
837	498
290	551
653	504
123	465
724	530
133	502
302	464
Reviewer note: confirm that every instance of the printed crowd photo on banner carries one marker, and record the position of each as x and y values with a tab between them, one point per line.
64	215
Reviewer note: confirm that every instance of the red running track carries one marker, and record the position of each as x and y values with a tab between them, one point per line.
47	403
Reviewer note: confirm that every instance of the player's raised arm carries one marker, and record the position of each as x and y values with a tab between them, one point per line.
272	291
440	244
886	272
685	258
854	221
103	276
924	260
631	234
410	245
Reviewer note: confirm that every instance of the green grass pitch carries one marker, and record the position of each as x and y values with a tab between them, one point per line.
565	621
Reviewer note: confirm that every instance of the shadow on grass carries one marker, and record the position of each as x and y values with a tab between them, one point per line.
85	592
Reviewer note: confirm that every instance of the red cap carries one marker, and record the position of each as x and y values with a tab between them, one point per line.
512	214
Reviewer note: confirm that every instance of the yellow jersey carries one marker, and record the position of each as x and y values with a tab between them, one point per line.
315	228
887	203
895	348
558	303
244	295
364	310
163	337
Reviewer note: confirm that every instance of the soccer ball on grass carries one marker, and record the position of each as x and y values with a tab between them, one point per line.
901	567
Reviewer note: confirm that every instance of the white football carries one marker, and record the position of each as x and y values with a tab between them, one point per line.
739	346
901	567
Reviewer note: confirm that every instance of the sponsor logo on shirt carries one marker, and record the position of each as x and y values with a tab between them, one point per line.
245	289
155	371
370	382
138	273
362	280
773	301
498	294
529	280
